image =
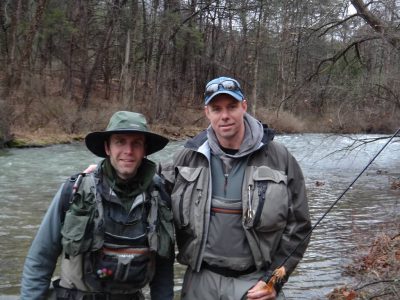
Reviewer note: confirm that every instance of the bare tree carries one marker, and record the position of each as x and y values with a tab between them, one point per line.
389	33
12	13
112	16
311	58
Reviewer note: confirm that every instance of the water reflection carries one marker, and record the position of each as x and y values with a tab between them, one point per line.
30	177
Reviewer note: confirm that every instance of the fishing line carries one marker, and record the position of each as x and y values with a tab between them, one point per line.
337	200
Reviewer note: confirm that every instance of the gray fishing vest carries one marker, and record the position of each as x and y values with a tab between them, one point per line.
227	245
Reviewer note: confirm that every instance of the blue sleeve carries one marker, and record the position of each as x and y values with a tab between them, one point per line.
43	254
162	285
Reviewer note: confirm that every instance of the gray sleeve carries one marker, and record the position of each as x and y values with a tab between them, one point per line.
43	254
296	234
167	174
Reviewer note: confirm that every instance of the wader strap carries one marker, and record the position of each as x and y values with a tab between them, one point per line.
218	210
226	271
73	294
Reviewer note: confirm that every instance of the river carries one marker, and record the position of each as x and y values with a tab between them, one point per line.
30	177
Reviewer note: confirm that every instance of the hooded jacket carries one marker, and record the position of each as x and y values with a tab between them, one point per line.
275	214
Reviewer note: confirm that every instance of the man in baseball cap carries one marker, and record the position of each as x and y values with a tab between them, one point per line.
239	203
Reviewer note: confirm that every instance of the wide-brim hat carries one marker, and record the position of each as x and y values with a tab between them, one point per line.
125	122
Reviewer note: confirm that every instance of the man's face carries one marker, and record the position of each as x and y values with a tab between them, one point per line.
226	117
126	152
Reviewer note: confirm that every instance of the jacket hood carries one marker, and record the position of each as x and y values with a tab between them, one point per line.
195	142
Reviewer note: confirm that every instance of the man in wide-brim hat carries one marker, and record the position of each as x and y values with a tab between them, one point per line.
126	141
116	234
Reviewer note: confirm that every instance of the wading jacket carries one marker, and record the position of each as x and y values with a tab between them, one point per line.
104	248
275	214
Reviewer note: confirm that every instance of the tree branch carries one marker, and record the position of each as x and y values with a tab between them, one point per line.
336	24
333	59
377	24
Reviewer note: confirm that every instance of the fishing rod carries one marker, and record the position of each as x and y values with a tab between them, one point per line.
280	272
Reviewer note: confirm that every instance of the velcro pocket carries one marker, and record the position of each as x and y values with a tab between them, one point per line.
270	199
187	188
73	233
77	230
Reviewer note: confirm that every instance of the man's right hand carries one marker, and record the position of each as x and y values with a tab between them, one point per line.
90	169
261	291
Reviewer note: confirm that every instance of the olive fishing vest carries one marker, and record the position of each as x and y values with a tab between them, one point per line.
106	248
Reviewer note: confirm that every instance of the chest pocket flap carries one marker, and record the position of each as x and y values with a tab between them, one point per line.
189	174
266	173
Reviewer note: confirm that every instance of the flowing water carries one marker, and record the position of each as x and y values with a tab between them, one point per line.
30	177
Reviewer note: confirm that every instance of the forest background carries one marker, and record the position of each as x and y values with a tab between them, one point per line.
305	66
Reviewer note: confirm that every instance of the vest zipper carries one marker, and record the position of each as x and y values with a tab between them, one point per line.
226	183
262	189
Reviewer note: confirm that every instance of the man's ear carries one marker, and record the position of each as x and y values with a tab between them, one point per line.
244	104
206	111
107	148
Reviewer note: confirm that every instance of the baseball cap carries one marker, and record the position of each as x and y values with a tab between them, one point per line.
223	85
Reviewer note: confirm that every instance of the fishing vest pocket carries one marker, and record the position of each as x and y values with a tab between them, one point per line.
78	225
267	201
188	191
124	265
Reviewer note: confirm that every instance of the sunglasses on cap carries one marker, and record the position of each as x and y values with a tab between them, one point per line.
228	85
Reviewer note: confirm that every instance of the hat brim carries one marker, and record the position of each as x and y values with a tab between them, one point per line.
230	93
95	141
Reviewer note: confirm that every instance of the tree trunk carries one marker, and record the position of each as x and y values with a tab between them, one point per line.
11	71
112	15
98	59
125	79
257	46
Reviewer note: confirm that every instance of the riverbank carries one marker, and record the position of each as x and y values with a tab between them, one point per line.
25	138
377	272
48	137
46	121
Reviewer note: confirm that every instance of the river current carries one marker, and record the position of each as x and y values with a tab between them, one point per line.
30	177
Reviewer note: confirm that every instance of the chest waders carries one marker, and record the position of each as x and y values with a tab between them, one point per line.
227	254
117	248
